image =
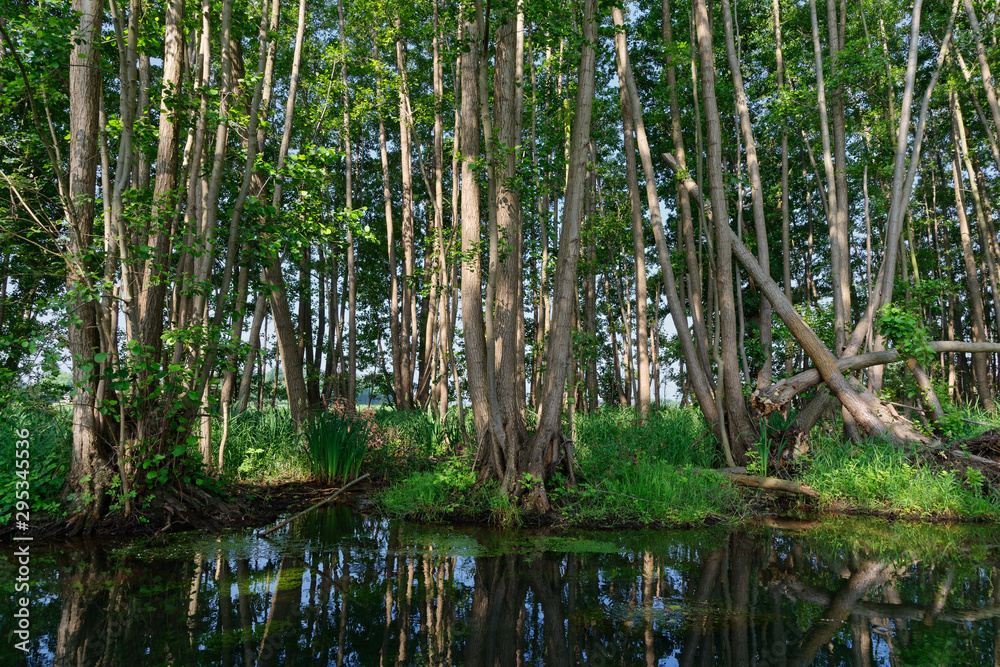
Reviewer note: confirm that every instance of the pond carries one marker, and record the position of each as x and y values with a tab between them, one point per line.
342	588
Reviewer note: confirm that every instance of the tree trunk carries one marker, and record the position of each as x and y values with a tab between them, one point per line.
741	430
89	474
409	303
291	359
638	246
507	113
756	190
685	216
543	450
489	430
979	361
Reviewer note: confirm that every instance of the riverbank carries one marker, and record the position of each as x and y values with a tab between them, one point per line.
661	473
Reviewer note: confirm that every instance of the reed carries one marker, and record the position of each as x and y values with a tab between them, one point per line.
336	446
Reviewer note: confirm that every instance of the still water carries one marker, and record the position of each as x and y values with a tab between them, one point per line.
343	588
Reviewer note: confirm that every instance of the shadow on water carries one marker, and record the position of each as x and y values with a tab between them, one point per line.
339	588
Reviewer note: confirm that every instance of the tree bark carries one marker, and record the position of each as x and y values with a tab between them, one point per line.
756	190
740	429
88	474
979	361
544	447
638	244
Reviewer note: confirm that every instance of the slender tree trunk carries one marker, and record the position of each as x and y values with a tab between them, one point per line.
88	474
685	216
394	326
284	328
984	65
352	283
409	303
756	190
544	447
979	361
638	246
786	267
740	429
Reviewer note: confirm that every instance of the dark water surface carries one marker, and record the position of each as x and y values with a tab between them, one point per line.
342	588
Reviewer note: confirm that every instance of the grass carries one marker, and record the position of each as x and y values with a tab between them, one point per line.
877	476
336	446
659	493
628	473
262	445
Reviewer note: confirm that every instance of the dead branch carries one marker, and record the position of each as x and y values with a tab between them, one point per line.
771	483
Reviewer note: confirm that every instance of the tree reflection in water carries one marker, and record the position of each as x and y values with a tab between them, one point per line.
347	590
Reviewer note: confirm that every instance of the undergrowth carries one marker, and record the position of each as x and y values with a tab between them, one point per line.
49	439
876	475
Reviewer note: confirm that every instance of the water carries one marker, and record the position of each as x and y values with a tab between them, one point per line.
339	587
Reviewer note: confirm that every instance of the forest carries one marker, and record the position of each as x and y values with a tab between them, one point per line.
499	332
766	226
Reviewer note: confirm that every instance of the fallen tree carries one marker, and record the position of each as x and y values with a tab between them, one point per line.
776	396
870	415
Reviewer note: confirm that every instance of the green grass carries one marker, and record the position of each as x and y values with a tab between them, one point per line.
430	495
336	446
877	476
670	434
657	492
629	474
262	445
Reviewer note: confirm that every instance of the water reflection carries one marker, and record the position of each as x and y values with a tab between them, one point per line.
344	589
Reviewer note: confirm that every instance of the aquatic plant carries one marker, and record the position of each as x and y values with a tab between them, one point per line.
336	446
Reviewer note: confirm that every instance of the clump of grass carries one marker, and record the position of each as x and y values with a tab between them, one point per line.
430	495
262	445
671	434
879	476
336	446
656	492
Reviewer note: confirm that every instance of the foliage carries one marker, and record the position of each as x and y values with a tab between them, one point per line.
261	445
49	447
879	476
336	446
906	334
